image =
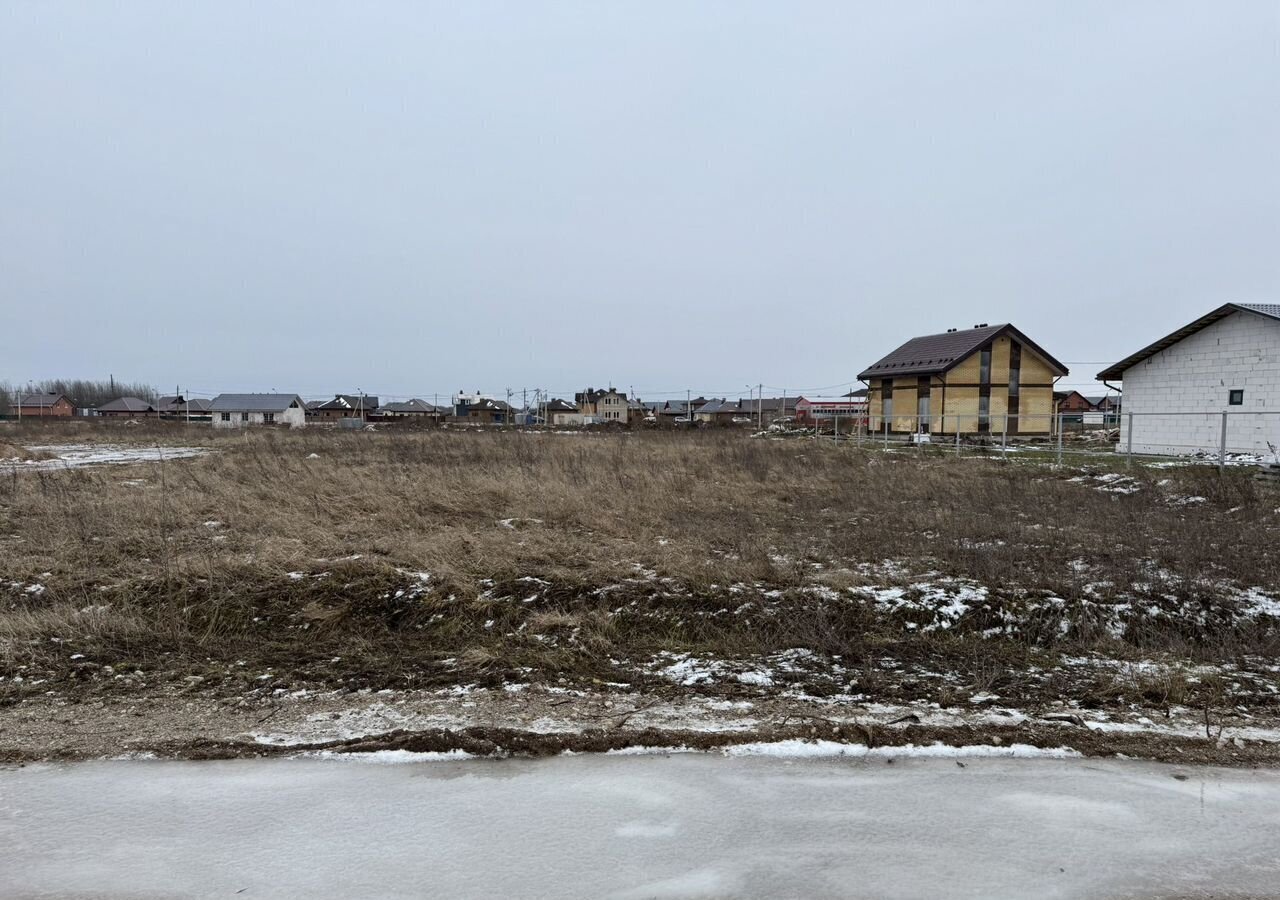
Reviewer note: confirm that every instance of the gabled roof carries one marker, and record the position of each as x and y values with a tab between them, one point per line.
409	406
718	406
350	401
1116	372
179	404
591	395
272	403
676	407
486	403
42	401
559	406
933	354
127	404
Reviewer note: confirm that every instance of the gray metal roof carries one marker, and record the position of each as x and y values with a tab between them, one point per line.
272	403
560	406
179	404
1116	372
127	404
932	354
409	406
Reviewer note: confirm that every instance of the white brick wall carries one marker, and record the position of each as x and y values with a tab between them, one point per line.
1188	385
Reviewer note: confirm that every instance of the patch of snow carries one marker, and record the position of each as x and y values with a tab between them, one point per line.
395	757
72	456
798	748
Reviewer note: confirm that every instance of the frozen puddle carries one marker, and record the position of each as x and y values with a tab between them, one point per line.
687	825
71	456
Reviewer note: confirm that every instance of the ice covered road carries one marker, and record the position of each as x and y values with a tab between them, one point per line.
638	826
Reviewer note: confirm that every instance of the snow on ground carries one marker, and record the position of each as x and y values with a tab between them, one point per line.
1109	482
946	600
71	456
798	748
1257	602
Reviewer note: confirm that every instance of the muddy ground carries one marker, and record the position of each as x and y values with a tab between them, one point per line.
535	721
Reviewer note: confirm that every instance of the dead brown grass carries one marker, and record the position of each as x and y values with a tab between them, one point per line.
180	570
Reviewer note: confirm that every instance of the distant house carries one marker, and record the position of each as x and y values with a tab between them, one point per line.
127	408
769	408
39	406
980	380
346	406
1104	409
1177	389
718	412
1072	405
561	412
416	409
601	406
674	411
636	412
844	412
179	407
242	410
476	409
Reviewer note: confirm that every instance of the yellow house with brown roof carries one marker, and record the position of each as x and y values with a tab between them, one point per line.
990	379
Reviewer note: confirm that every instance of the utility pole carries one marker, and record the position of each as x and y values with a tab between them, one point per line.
760	407
524	406
688	406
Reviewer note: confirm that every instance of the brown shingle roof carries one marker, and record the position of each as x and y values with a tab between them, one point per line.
26	401
933	354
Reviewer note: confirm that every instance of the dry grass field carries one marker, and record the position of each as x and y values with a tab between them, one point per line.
712	563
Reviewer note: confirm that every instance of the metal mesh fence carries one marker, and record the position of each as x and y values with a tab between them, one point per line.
1222	437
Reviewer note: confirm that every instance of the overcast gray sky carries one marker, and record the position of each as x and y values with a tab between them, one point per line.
416	198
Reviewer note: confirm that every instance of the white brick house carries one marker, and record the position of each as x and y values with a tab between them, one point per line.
241	410
1178	388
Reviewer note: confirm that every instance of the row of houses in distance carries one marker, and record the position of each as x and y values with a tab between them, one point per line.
1179	394
605	406
60	406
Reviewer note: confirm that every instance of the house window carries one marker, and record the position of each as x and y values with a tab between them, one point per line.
269	418
1235	398
226	417
984	367
887	390
984	411
244	417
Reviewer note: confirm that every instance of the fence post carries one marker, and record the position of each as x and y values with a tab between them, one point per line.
1059	438
836	431
886	433
1129	444
1004	438
1222	445
957	435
